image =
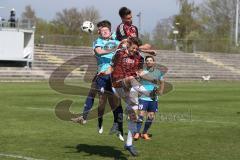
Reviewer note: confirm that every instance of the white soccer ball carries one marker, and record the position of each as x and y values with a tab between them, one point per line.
87	26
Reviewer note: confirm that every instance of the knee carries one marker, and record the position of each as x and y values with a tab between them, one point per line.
140	118
151	116
132	115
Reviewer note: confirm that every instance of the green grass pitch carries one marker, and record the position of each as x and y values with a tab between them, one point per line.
196	121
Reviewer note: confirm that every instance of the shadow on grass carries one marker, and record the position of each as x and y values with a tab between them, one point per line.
103	151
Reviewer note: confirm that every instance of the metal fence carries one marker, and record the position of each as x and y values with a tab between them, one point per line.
72	40
203	45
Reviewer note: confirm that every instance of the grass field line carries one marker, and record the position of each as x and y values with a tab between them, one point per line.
17	156
44	109
206	121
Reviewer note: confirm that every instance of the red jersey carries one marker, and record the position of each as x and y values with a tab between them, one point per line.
125	65
125	30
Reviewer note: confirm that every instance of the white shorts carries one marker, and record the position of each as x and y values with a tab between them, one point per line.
130	97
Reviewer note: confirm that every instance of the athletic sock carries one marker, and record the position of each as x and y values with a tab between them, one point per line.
147	125
118	118
129	138
87	106
139	123
100	121
131	131
117	113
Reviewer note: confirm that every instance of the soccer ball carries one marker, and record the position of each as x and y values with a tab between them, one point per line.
87	26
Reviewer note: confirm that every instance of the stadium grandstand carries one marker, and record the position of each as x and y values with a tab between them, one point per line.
181	66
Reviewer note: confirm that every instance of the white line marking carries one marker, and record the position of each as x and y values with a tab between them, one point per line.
17	156
215	122
44	109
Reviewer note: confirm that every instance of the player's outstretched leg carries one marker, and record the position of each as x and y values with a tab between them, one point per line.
132	82
88	105
101	108
131	130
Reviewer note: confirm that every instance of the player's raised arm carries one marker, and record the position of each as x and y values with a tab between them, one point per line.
151	52
99	50
161	87
146	76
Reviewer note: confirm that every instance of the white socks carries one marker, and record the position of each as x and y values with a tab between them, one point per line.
132	127
129	139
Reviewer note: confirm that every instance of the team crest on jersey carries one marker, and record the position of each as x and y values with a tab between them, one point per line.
110	45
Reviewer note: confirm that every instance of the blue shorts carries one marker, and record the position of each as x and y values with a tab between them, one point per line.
104	83
149	106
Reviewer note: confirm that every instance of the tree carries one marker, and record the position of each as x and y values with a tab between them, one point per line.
186	24
65	27
162	32
218	17
28	16
146	37
29	13
186	19
71	19
218	21
90	14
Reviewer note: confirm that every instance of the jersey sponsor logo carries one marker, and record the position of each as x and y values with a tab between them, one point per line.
128	60
110	45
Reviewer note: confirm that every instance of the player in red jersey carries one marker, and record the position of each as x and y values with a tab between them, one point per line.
126	63
127	29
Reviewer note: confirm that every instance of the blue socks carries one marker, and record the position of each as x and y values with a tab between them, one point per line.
148	124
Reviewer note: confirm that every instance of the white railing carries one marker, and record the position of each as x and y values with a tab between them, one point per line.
27	24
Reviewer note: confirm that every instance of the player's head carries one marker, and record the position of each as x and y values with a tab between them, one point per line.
133	45
150	61
104	29
126	15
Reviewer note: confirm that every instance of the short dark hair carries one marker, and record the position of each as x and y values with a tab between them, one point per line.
135	40
124	11
104	23
149	57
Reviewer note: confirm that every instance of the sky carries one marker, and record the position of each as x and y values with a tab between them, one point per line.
152	10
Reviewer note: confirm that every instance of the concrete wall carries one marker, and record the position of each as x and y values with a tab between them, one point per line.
16	45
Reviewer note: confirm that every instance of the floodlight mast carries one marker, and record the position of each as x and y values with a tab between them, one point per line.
237	21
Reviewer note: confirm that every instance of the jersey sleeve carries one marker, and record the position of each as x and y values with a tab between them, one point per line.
121	32
160	76
98	43
136	31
